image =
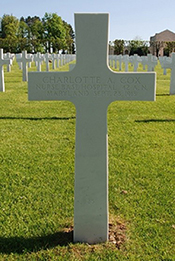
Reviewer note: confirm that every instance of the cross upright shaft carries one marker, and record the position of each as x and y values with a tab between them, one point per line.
91	86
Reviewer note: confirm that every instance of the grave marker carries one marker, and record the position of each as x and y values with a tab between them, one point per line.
38	58
135	59
152	62
24	59
57	60
2	63
48	58
169	63
165	63
172	80
19	56
8	56
126	61
91	86
54	58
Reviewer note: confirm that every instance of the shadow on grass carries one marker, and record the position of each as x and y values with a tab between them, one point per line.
155	120
37	119
163	94
22	245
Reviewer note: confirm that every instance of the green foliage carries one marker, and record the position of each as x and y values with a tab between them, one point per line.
54	30
37	176
118	46
170	47
9	26
138	47
34	34
9	32
23	30
69	38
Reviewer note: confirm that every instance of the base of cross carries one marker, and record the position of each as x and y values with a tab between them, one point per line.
116	236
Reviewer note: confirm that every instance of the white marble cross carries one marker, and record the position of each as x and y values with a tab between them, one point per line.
8	56
57	60
24	59
169	63
54	58
135	59
152	62
91	86
2	63
48	58
172	80
126	61
165	63
38	58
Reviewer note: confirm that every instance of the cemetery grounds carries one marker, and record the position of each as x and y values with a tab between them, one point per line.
37	177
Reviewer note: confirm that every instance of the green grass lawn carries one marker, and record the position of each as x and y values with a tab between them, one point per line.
37	146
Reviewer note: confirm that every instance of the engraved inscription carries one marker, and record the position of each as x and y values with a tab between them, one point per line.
94	86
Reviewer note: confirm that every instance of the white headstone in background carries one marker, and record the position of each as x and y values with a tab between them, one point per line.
54	58
165	63
152	62
48	60
8	56
2	63
61	59
38	58
119	58
126	61
18	57
144	61
24	60
135	59
172	80
29	55
57	60
91	86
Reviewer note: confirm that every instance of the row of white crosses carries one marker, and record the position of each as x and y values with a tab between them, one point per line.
56	60
169	63
8	56
149	60
24	60
165	63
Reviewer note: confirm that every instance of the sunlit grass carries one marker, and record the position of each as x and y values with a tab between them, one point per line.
37	176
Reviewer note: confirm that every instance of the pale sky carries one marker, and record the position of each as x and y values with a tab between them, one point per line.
128	19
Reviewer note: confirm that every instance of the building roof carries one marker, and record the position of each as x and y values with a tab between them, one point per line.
165	35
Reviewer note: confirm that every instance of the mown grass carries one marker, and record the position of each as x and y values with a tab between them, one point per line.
37	149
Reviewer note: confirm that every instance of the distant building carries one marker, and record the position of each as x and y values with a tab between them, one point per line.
111	50
158	42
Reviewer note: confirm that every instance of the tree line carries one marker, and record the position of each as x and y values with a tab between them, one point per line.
36	34
140	47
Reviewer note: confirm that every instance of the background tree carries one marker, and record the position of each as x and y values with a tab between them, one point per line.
119	46
138	46
55	32
9	32
22	35
69	38
169	48
36	35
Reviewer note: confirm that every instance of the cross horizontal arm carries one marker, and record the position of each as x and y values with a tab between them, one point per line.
72	86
